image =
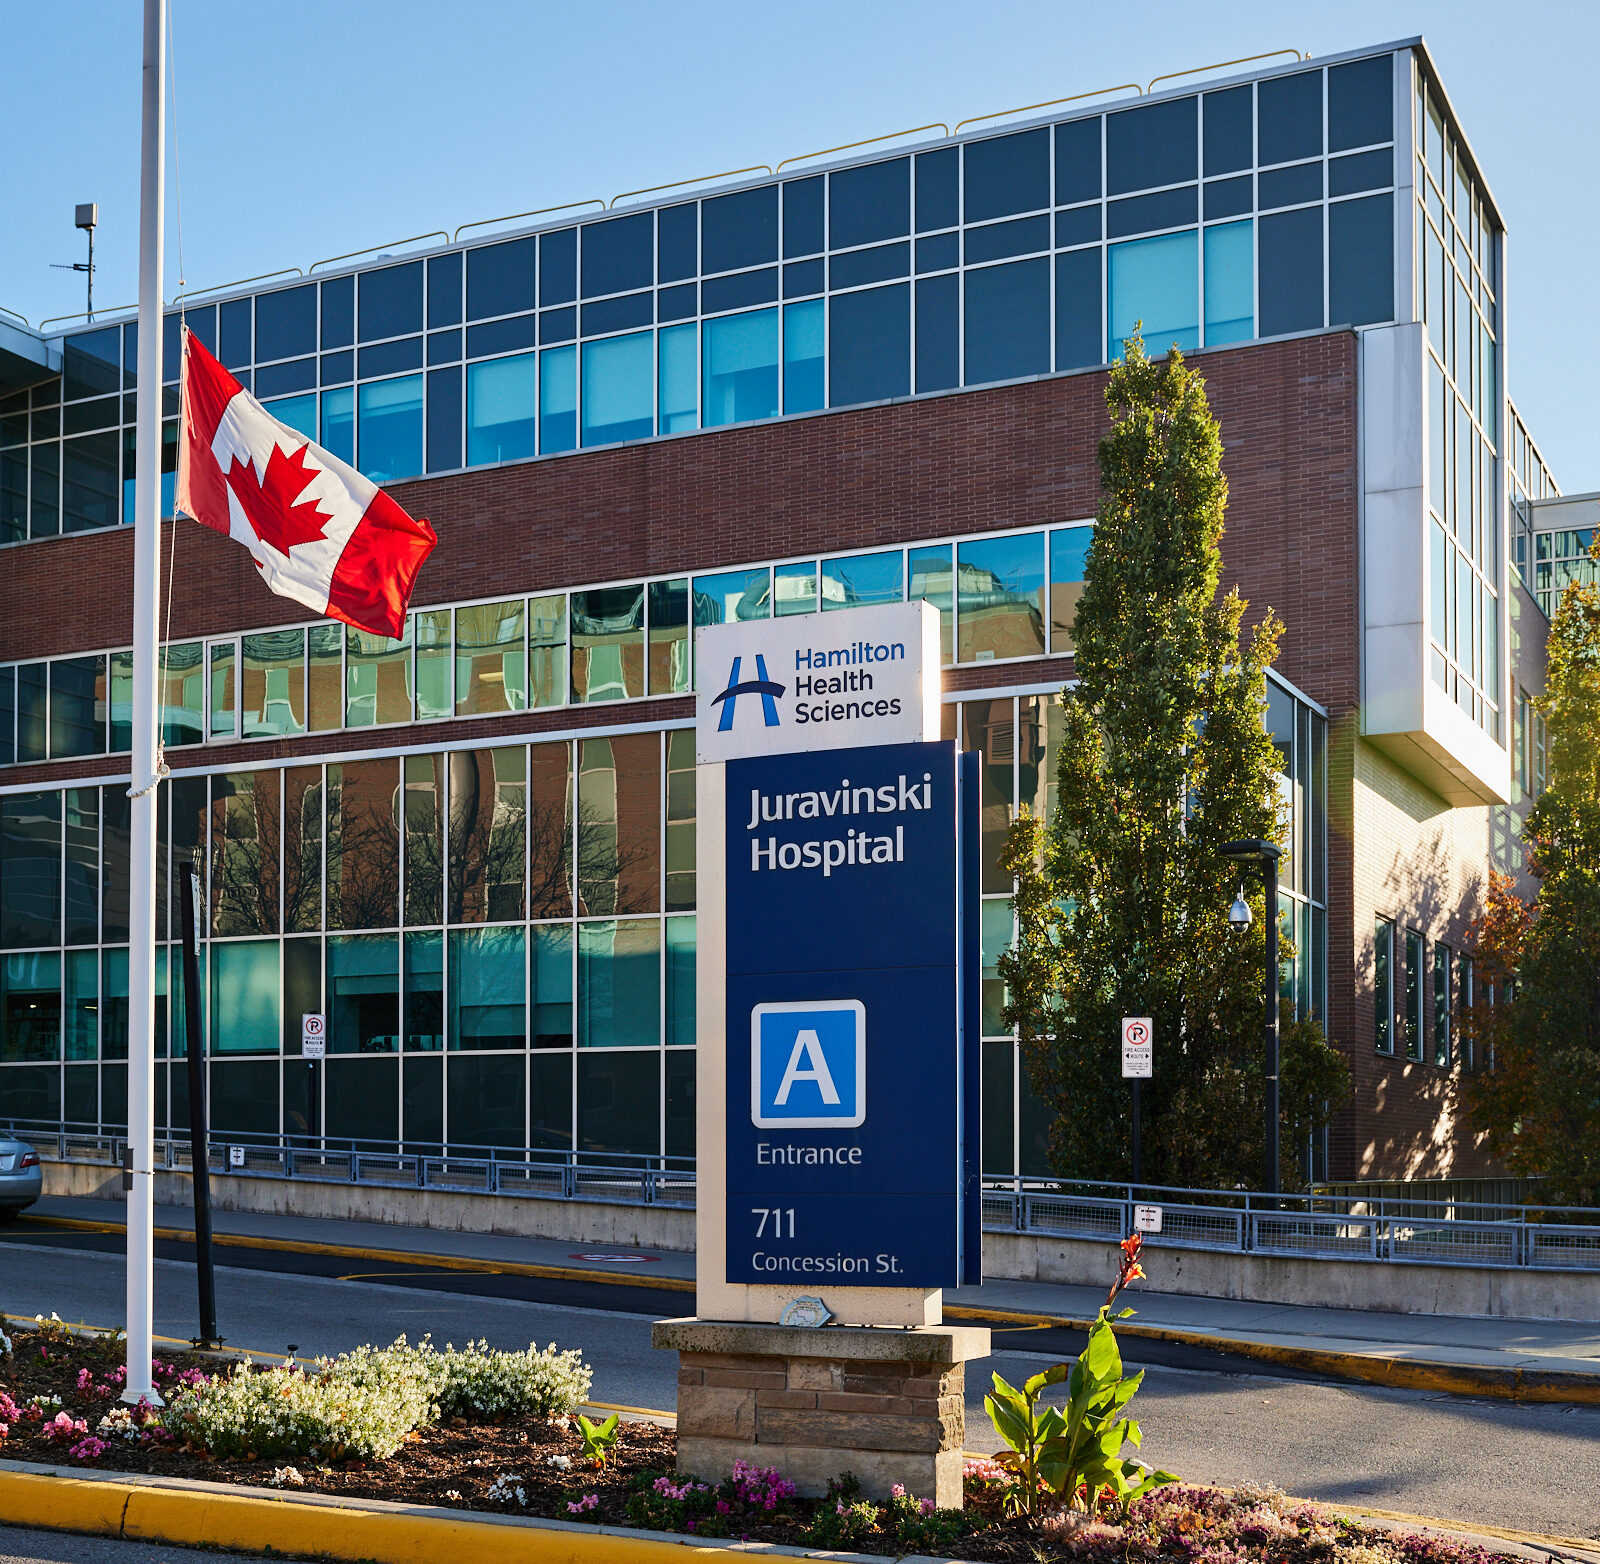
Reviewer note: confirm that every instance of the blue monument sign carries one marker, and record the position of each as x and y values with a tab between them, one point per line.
844	1082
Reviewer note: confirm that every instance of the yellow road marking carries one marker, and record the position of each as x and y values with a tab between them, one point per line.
371	1276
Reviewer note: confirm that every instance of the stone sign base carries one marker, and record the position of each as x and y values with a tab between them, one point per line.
886	1404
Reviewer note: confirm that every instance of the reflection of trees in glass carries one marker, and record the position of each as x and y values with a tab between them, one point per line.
244	853
363	845
619	809
302	855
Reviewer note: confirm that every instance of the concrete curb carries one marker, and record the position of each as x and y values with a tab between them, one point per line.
222	1515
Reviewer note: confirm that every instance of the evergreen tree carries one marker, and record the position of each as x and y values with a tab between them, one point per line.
1123	897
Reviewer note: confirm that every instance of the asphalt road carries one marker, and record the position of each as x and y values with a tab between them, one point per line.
1534	1468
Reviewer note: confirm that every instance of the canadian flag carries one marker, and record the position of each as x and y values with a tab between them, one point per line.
318	530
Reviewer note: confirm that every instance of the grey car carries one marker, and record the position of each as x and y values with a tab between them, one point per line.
21	1178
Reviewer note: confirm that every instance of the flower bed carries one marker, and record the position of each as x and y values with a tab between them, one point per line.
492	1432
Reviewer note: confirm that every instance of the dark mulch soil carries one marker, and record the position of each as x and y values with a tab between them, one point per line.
454	1466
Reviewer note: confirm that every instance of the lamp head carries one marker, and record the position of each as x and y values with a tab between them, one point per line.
1239	913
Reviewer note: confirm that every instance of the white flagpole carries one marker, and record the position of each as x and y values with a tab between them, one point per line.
146	616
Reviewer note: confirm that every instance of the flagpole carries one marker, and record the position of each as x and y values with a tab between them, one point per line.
144	792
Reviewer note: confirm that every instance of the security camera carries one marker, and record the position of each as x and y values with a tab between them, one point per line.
1239	913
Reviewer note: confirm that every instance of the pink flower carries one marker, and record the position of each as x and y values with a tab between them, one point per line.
899	1490
589	1501
90	1449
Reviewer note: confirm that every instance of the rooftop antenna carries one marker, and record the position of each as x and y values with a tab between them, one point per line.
87	217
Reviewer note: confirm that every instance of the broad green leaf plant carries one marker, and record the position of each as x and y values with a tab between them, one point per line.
1072	1455
599	1439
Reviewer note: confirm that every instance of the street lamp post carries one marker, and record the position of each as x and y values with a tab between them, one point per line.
1267	854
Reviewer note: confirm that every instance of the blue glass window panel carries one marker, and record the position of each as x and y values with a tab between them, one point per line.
233	338
339	423
1078	339
444	291
739	369
619	984
558	325
941	252
1069	558
103	412
1008	321
391	301
802	357
866	266
802	216
801	278
202	323
444	419
938	334
551	969
1007	174
794	588
1289	265
938	184
1289	117
1361	103
44	492
1081	225
677	242
677	303
739	292
869	203
502	336
619	395
488	979
389	432
14	496
1158	145
739	230
299	412
1230	283
635	309
1362	171
338	368
286	323
8	719
1078	161
558	267
444	347
298	374
1156	281
732	597
930	575
558	400
244	997
1230	130
391	358
1000	607
338	312
1144	214
500	278
74	728
1361	261
680	381
999	240
90	489
1228	197
869	337
1289	186
618	254
863	579
33	734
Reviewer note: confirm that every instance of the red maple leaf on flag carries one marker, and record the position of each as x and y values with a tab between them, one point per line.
271	506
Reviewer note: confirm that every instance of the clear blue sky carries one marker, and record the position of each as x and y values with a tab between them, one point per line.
308	129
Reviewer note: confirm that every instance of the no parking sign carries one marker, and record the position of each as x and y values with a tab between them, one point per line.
313	1036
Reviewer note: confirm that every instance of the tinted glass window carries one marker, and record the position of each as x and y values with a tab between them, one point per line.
998	240
802	357
802	216
1077	161
89	362
1289	186
1230	283
1008	174
1008	321
678	303
500	278
444	419
1361	103
336	369
1165	209
338	312
558	325
938	253
390	358
1078	309
1361	261
1290	117
1290	265
864	266
1154	284
233	333
558	267
633	309
1230	130
1153	146
1078	226
739	230
938	344
870	203
938	177
286	323
281	379
732	293
391	301
499	336
1228	197
202	324
1363	171
870	357
739	366
801	278
677	242
618	254
444	290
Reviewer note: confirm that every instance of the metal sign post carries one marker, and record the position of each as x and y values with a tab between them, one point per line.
1138	1064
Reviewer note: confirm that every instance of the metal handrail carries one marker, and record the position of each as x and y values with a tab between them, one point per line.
371	248
678	184
115	309
15	316
1029	108
222	287
850	146
1248	59
484	222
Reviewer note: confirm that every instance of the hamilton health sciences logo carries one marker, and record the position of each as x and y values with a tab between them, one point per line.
761	685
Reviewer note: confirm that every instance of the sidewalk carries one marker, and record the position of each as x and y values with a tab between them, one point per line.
1502	1345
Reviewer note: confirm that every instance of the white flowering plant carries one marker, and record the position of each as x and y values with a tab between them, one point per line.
480	1381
